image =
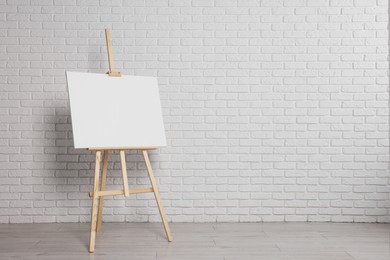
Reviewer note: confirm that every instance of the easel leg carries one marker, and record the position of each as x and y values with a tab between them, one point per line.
94	203
124	173
157	194
102	187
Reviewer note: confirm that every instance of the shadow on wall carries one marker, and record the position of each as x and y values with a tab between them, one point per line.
69	172
62	164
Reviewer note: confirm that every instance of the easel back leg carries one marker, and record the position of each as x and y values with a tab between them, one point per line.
124	173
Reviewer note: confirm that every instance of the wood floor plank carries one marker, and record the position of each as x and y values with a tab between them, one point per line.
217	241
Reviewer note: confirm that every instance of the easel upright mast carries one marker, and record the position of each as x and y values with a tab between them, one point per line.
111	72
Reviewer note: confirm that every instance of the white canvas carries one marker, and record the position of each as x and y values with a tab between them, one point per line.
115	111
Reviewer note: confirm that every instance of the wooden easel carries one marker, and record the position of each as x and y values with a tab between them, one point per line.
98	194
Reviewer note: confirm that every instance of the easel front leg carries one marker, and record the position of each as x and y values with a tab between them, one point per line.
102	187
157	194
94	203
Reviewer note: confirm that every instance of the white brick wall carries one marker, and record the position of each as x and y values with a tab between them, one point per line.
274	110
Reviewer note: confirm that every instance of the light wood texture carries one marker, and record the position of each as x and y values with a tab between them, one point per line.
94	203
157	194
102	187
210	241
152	130
124	173
121	192
123	148
98	195
111	65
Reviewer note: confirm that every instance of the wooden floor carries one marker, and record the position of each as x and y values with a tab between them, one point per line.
198	241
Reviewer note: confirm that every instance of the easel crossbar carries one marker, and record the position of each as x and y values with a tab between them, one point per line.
121	192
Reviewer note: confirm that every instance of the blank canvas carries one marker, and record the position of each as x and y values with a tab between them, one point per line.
115	111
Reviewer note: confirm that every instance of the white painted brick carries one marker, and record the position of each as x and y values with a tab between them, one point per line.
274	110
